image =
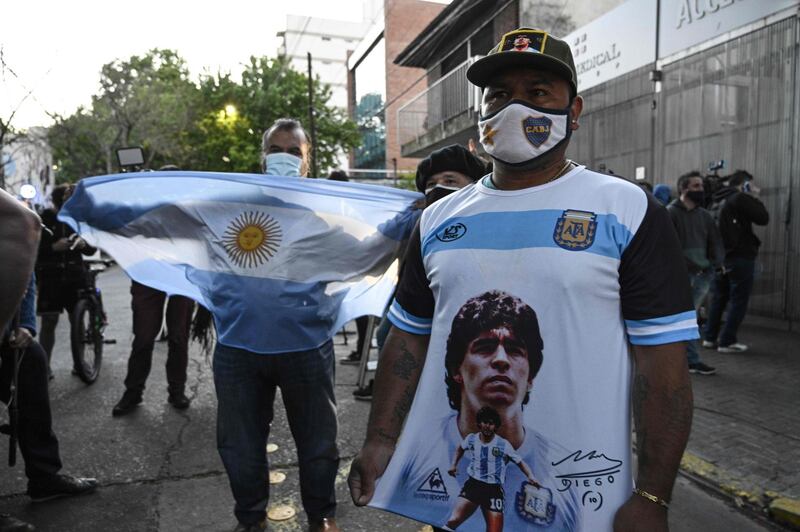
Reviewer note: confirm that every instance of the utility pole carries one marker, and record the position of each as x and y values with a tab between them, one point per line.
311	126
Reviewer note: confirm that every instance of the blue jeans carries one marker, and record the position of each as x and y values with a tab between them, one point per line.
245	383
731	289
700	283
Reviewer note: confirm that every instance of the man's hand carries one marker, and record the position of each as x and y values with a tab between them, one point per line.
452	471
370	464
533	481
62	244
639	514
20	338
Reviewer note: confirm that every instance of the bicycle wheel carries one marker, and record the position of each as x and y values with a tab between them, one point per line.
87	341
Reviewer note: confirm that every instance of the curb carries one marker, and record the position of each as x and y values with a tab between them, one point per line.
779	509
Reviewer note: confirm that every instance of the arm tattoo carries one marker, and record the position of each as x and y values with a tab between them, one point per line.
680	405
406	363
385	436
403	405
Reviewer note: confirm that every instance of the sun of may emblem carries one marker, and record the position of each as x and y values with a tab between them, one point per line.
252	239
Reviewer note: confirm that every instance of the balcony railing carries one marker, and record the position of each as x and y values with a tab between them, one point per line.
450	96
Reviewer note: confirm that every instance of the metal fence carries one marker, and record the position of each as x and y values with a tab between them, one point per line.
447	98
737	101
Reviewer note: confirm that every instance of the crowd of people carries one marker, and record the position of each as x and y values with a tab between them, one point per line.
530	279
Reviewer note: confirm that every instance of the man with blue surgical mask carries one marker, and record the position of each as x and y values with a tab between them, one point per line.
246	383
285	149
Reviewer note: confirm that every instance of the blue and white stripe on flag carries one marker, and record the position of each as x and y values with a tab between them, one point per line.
281	262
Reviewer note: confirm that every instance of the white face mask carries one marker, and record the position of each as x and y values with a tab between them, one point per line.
519	133
282	164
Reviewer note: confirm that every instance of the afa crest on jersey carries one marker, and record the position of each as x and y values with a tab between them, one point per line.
575	230
535	505
537	129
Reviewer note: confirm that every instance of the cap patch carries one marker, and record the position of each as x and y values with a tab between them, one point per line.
523	41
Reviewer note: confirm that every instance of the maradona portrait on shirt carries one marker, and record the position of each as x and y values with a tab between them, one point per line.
493	353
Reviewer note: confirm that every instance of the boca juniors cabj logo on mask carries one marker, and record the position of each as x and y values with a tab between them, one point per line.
575	230
537	129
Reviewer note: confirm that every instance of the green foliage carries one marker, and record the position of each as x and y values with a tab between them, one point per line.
407	181
214	124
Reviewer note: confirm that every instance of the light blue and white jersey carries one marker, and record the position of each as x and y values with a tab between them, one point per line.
489	460
598	261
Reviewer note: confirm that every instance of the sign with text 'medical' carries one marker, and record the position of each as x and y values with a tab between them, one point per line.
619	42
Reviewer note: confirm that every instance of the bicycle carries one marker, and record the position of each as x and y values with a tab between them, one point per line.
88	325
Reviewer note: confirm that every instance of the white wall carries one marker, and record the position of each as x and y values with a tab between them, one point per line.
328	41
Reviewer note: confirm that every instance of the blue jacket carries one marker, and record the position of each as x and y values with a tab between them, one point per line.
27	309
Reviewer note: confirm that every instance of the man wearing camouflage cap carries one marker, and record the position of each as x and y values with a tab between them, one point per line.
598	261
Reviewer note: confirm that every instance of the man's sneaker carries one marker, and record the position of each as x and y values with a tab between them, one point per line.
365	393
179	400
353	359
126	405
60	486
12	524
701	369
708	344
732	348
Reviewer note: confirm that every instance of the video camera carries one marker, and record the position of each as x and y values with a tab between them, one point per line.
712	181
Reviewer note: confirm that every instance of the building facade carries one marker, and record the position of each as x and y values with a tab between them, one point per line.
28	160
374	74
686	84
328	41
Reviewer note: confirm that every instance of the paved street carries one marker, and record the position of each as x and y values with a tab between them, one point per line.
159	469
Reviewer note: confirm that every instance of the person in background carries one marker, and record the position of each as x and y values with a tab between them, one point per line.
702	249
60	270
739	207
37	441
19	237
338	175
662	193
148	309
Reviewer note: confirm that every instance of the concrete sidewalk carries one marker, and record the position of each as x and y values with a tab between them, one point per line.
745	439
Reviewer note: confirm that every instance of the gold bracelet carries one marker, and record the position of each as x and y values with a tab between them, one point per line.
652	498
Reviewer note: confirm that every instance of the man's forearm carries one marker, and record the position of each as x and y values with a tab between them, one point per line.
19	239
662	409
396	379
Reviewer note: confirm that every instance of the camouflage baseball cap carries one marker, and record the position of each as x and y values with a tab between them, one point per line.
526	46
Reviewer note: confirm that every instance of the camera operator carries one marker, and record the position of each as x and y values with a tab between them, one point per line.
59	268
739	207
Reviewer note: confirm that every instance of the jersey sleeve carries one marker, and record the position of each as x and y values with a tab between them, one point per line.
654	283
465	442
512	454
413	305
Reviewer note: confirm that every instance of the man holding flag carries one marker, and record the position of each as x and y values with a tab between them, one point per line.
281	262
246	381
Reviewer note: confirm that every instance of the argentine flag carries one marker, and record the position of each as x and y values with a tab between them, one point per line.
281	262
